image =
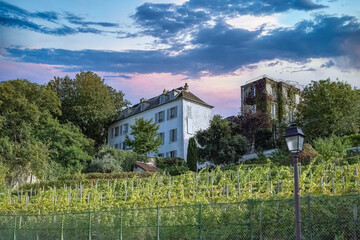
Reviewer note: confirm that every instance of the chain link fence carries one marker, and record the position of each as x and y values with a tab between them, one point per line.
325	217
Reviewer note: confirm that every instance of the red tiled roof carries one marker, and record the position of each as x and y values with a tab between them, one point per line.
146	167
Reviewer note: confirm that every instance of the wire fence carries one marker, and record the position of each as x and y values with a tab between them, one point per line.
325	217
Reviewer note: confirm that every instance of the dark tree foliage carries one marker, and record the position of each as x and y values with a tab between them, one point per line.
264	139
89	103
218	144
249	123
329	108
192	155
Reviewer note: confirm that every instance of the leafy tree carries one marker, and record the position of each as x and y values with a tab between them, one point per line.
67	144
218	145
329	108
23	106
248	124
192	155
88	102
145	137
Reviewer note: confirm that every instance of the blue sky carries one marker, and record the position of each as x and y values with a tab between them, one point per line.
213	45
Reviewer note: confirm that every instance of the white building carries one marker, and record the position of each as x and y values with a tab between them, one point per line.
179	114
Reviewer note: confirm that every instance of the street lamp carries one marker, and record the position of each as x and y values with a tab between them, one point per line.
295	139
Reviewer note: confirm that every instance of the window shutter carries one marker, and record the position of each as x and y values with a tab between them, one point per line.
175	135
163	115
168	114
175	110
156	117
168	154
120	130
175	153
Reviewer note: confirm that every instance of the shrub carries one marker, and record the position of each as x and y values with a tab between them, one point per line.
124	160
332	148
353	140
264	139
105	164
308	153
173	166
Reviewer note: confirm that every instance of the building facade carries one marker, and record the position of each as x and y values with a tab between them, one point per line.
179	114
272	106
278	99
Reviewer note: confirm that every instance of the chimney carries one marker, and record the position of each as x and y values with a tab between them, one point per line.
165	91
142	100
186	87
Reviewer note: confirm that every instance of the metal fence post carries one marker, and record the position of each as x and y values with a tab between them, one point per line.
355	222
309	217
251	224
14	235
121	226
157	223
90	225
200	221
62	227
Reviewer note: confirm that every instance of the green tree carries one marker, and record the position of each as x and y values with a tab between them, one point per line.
145	137
218	144
89	103
23	106
67	144
329	108
192	155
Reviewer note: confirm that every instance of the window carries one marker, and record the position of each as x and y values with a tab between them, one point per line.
160	155
253	109
116	145
162	136
254	91
125	128
189	126
291	117
141	107
173	135
273	110
188	111
173	153
112	131
116	131
160	117
172	113
162	99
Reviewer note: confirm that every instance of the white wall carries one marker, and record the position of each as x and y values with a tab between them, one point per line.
199	119
165	126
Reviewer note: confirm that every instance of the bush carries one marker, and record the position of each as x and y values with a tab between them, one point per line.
331	149
264	139
353	140
173	166
124	160
281	157
308	153
106	164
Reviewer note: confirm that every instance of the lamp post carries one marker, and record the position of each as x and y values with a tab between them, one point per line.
295	139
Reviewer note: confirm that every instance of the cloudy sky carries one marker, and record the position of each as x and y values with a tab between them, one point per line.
214	45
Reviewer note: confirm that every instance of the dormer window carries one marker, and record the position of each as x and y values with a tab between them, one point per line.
141	107
162	99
